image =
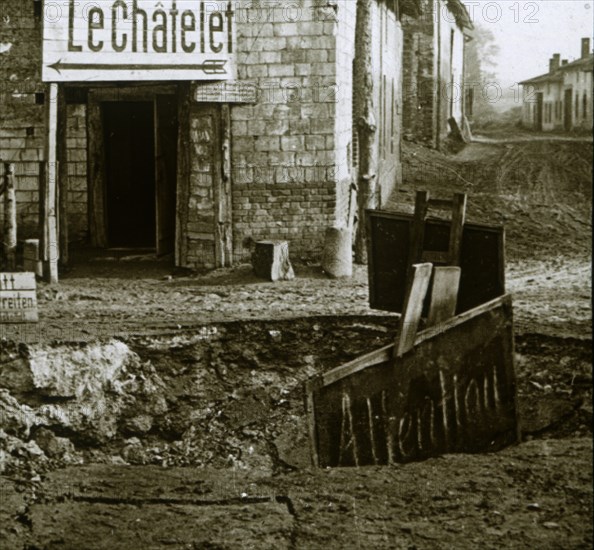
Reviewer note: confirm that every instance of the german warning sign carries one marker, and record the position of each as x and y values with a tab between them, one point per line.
18	298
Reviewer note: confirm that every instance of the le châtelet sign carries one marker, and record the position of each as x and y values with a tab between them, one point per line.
106	40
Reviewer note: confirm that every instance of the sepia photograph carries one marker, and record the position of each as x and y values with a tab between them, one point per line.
296	274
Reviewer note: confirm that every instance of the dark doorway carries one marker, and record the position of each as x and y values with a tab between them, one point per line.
567	117
538	114
129	131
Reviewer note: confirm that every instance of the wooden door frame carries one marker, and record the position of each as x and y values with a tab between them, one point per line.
222	177
96	149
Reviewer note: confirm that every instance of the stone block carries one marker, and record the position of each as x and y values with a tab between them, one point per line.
270	260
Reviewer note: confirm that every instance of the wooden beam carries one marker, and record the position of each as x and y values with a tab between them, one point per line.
10	218
183	174
62	180
458	219
50	248
365	121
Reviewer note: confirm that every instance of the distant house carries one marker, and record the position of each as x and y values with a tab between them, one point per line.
433	69
560	100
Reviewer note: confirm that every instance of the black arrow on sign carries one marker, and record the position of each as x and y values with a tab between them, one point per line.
210	66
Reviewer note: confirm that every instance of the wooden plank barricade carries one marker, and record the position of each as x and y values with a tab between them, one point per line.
454	391
18	298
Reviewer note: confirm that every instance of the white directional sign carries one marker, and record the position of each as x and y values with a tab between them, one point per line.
106	40
18	298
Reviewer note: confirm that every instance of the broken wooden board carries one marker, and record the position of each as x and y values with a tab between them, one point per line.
413	307
18	298
482	259
454	391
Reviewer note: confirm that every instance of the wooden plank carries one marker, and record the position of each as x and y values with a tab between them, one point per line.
51	245
413	307
10	217
418	227
457	227
63	183
183	175
444	294
226	207
375	357
454	392
17	281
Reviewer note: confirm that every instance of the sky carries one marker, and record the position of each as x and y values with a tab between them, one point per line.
528	33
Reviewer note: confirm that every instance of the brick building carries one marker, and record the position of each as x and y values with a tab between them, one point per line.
433	69
561	100
194	167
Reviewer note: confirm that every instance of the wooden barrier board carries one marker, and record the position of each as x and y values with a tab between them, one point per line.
454	391
482	259
18	298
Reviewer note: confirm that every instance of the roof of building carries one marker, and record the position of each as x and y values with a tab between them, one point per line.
413	8
583	64
555	76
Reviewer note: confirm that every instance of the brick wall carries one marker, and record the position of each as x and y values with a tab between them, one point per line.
419	70
284	149
22	114
76	156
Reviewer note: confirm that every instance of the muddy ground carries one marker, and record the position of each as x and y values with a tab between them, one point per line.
193	436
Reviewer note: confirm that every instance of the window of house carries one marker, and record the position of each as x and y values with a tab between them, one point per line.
577	105
584	105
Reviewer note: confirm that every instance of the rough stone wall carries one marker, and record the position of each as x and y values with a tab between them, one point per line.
22	111
418	70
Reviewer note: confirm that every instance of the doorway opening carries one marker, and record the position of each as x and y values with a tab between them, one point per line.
128	130
139	140
567	116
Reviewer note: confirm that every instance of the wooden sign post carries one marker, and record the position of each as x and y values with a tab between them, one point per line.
18	298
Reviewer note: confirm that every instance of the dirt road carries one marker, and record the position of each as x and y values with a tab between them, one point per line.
199	442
